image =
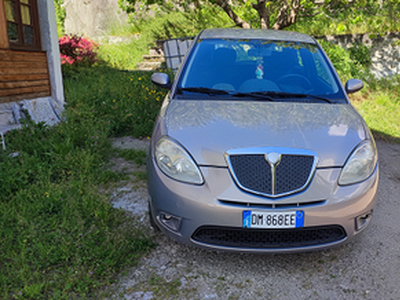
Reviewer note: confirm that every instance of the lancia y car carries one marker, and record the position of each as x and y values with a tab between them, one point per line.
257	147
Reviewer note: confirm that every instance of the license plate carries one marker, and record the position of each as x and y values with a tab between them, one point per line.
260	219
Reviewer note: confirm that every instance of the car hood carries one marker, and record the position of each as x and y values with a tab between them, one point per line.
207	129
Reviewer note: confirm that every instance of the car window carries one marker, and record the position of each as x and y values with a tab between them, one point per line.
249	66
322	68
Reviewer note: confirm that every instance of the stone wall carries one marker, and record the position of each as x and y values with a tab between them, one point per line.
384	50
92	18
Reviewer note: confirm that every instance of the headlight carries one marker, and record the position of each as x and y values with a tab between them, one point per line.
175	162
360	164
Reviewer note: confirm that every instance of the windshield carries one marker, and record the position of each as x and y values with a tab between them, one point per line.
244	67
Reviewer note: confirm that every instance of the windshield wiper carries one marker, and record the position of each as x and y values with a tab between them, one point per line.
203	90
277	95
267	95
258	95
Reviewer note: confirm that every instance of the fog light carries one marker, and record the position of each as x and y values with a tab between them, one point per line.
363	220
170	221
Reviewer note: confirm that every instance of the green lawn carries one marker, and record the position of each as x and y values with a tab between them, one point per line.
382	115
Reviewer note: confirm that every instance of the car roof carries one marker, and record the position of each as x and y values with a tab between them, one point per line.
265	34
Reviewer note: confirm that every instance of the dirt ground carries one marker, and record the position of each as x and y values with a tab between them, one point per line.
367	268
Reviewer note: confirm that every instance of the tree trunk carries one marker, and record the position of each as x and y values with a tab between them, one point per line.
234	17
287	14
263	13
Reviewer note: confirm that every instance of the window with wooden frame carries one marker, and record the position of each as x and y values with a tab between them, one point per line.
22	24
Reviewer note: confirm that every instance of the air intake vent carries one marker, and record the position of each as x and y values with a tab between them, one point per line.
269	238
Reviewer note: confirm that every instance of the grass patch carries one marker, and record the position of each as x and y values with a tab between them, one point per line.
124	56
381	112
61	238
127	101
379	104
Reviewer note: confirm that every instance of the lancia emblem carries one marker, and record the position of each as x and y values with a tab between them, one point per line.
273	158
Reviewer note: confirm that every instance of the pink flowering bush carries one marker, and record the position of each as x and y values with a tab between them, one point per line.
76	50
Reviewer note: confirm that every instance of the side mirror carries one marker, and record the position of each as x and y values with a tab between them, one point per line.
161	80
353	85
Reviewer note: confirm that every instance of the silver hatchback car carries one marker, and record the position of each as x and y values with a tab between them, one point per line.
258	149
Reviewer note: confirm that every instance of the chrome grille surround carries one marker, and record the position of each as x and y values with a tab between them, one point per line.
254	171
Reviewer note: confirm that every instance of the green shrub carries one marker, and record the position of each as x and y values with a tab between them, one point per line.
60	16
360	54
341	60
179	24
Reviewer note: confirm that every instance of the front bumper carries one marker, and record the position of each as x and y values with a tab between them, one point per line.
219	204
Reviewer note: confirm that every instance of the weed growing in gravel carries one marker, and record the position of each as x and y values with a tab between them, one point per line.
162	289
140	176
138	156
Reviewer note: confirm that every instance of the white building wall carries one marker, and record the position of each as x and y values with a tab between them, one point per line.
48	28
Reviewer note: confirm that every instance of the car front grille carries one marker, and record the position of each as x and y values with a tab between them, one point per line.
253	173
268	238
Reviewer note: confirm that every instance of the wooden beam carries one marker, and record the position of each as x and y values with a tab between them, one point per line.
8	78
23	91
24	71
6	66
12	55
22	84
20	52
6	99
4	43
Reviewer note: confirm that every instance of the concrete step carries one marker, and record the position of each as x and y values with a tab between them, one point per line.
157	58
149	66
42	110
156	51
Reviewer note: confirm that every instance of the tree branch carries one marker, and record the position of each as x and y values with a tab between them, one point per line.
234	17
263	13
288	14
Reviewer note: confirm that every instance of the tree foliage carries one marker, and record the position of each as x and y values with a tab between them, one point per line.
60	15
275	14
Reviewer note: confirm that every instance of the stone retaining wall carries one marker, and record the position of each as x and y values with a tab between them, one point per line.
384	50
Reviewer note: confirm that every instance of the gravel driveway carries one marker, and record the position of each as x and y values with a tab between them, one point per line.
367	268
